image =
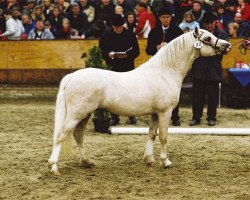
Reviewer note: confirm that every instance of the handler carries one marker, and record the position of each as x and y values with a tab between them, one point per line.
207	73
160	36
119	39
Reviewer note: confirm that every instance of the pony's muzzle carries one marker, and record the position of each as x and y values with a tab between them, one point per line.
227	48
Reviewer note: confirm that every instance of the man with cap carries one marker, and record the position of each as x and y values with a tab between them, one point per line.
160	36
206	73
119	39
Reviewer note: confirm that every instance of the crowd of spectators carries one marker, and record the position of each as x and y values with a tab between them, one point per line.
81	19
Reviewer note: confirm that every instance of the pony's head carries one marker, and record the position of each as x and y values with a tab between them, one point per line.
208	45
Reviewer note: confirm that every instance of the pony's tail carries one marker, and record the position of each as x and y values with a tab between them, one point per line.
60	115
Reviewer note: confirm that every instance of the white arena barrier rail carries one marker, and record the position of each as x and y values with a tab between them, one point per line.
188	131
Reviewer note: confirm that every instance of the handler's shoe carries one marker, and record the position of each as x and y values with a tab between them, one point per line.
176	123
114	122
194	122
211	122
132	120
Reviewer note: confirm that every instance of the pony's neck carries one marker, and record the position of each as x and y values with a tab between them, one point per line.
177	56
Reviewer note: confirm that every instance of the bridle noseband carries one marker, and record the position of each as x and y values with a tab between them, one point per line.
214	46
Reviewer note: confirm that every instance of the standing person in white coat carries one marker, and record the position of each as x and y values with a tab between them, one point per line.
14	27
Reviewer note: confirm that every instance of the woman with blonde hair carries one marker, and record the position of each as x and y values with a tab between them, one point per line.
233	29
37	14
188	22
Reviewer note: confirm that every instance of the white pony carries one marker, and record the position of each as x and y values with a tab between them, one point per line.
151	89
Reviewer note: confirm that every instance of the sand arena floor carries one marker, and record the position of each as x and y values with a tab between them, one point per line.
205	167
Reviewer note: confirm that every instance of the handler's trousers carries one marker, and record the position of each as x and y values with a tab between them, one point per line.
199	91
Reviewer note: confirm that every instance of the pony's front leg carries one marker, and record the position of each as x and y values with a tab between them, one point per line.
164	119
79	138
149	152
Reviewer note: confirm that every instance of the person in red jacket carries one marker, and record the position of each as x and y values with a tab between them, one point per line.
244	9
146	20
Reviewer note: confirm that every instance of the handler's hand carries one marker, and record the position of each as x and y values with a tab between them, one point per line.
112	54
161	45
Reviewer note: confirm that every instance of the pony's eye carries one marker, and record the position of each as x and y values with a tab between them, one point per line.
208	39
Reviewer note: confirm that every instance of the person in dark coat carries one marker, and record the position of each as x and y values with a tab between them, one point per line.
78	20
160	36
206	73
119	39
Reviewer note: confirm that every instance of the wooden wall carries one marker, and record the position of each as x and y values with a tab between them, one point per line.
46	62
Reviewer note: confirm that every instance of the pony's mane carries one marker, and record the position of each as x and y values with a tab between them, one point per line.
171	52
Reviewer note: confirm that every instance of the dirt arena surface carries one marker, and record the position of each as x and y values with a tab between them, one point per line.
205	167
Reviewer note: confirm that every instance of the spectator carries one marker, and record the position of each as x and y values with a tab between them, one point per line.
16	14
160	36
73	34
64	33
56	21
130	21
189	22
223	15
40	33
244	9
88	10
28	24
14	27
30	5
11	4
146	21
233	30
126	5
119	10
37	14
197	11
205	6
182	6
63	6
47	8
207	73
77	19
105	10
156	5
96	29
119	39
244	27
2	21
2	5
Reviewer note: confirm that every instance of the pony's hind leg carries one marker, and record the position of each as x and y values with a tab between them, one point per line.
149	152
68	127
164	119
79	138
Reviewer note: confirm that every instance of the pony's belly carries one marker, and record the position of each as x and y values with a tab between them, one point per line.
123	110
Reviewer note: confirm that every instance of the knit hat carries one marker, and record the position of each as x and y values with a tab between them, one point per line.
117	20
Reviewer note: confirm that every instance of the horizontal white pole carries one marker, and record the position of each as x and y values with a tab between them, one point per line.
191	131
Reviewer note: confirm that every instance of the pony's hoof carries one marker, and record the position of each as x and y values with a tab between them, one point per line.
151	164
87	164
56	173
167	164
150	161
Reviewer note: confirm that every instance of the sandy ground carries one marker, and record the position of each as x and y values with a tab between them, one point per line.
205	167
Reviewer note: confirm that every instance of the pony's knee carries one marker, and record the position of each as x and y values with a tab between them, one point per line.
163	140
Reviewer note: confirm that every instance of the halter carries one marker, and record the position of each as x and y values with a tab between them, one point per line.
198	44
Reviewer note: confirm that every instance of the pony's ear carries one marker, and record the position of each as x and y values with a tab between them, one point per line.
196	32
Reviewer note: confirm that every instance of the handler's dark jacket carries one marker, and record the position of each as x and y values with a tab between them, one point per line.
155	37
110	41
209	68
